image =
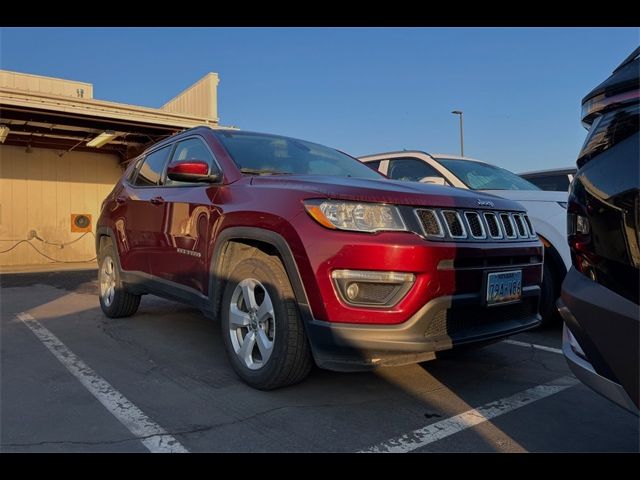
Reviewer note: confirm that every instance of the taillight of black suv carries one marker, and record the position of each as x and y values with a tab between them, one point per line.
600	295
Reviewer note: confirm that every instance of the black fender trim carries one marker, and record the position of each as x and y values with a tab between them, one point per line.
101	232
104	231
275	240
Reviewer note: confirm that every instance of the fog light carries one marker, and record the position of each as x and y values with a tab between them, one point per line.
352	291
369	288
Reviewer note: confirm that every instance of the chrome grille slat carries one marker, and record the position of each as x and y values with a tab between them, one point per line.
430	223
507	226
494	226
532	231
519	222
476	227
454	223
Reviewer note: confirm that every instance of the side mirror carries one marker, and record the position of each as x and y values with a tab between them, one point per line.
191	171
434	180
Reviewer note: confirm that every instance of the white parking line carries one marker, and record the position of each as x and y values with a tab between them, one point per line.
533	345
153	436
470	418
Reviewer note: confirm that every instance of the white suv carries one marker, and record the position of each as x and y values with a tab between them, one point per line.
547	210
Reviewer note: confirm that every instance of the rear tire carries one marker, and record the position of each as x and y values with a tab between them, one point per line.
262	330
115	301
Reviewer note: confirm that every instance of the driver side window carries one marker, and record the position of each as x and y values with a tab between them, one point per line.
190	149
410	169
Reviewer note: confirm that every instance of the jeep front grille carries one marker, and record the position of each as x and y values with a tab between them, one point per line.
474	225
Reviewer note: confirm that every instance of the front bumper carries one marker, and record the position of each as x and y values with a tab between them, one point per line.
440	268
443	323
603	328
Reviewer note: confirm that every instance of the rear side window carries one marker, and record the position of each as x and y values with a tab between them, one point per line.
134	169
410	169
375	165
149	173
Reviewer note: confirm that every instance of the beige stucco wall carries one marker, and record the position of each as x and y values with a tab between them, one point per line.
39	191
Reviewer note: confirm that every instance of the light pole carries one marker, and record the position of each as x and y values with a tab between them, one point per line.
459	112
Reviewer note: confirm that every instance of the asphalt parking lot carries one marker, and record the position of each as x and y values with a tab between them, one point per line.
76	381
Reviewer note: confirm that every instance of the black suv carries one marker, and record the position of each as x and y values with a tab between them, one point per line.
599	301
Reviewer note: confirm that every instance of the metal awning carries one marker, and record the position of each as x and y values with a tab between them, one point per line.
40	120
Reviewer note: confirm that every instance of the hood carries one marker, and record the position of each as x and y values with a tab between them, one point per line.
384	191
530	195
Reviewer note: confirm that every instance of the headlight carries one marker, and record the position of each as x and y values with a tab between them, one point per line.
355	216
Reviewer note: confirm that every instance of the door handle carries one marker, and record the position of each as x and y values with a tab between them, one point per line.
120	199
157	200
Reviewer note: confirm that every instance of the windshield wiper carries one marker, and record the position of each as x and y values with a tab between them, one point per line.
255	171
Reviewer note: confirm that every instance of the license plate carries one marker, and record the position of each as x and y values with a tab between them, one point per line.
504	287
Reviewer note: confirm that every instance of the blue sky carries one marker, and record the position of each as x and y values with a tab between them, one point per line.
361	90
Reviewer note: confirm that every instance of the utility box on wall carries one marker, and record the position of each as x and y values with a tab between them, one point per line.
81	222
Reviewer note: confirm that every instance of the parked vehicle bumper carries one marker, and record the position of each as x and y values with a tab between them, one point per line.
441	324
600	338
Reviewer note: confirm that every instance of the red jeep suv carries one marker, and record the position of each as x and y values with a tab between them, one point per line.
306	254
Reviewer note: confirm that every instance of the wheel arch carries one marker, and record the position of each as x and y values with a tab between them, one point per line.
102	233
234	240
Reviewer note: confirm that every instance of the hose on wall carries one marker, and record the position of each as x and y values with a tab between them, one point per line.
61	245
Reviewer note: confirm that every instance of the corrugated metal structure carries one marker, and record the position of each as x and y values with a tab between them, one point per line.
49	170
200	99
36	83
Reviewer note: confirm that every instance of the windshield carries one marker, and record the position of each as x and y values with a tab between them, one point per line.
263	154
482	176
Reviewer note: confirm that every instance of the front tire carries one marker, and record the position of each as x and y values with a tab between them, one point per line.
115	301
262	330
